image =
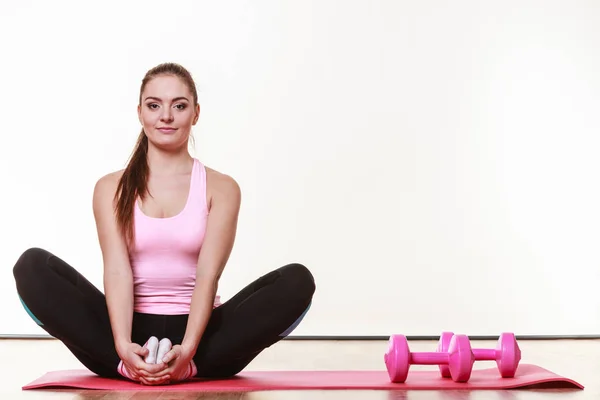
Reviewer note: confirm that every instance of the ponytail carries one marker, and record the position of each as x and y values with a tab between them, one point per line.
133	184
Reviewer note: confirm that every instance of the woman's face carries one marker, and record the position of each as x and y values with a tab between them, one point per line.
167	112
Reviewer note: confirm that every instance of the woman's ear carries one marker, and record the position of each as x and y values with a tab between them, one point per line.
197	116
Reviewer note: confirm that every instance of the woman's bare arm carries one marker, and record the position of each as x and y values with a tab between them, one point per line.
118	278
217	246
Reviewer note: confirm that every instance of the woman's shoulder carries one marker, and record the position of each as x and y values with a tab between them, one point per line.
106	186
222	187
109	180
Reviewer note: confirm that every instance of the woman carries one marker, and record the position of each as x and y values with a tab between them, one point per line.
166	225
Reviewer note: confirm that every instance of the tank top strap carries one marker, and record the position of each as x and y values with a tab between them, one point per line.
198	190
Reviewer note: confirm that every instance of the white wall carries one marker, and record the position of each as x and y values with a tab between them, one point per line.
435	163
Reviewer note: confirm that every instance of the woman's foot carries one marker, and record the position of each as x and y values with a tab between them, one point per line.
152	346
187	373
164	346
124	372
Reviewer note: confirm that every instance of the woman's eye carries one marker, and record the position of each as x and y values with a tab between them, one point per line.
154	106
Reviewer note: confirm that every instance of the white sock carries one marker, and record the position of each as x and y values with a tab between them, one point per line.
163	348
152	346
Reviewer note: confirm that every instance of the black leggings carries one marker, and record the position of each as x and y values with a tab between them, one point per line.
67	306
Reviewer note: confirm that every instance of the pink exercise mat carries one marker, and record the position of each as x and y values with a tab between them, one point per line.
528	376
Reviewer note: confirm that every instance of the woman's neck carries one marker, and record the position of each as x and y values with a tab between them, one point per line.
167	163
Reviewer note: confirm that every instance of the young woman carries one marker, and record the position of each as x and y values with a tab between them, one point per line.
166	226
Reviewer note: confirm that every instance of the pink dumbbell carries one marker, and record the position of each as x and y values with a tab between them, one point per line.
507	354
458	358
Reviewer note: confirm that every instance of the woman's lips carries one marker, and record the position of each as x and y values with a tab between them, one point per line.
167	130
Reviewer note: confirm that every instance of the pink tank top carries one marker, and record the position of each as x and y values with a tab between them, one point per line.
165	253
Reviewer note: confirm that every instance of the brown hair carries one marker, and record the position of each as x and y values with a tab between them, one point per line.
134	181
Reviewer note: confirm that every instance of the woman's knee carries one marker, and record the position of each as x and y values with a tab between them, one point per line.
26	274
301	278
29	262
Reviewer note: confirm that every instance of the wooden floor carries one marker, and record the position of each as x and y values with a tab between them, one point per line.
26	360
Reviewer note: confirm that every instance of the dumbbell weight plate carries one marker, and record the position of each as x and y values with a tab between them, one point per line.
461	358
396	358
443	346
510	355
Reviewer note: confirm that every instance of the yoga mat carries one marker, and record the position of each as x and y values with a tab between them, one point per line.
528	375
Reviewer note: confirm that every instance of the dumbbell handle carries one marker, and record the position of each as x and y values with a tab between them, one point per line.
485	354
429	358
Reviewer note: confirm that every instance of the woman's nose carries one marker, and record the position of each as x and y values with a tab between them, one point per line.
167	115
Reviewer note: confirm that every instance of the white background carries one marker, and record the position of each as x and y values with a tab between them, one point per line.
434	163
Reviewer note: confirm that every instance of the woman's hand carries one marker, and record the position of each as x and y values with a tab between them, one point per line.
132	355
178	360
